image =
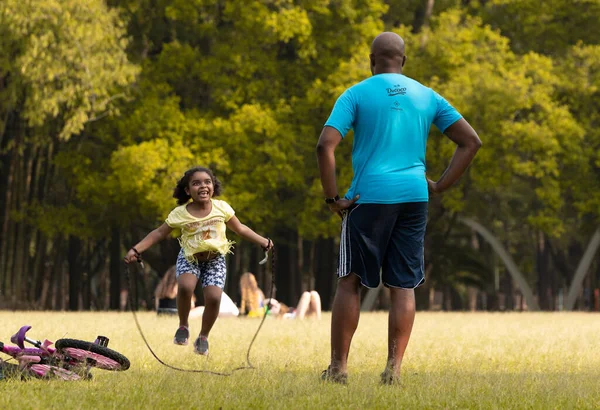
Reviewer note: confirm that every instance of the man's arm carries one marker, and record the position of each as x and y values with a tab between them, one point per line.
463	135
328	142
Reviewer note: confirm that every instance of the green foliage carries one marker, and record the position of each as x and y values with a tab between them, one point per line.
244	87
510	101
549	27
579	90
68	58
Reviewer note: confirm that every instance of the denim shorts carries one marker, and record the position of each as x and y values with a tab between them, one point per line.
384	241
209	273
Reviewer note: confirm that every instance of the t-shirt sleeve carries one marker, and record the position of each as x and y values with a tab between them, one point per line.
174	219
343	114
227	210
445	114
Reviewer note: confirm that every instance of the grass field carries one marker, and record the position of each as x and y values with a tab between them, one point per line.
454	360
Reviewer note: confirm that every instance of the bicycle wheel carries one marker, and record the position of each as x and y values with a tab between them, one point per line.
92	354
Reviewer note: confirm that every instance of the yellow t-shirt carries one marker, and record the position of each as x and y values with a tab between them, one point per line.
202	234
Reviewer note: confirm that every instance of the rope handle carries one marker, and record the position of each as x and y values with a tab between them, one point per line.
138	256
266	249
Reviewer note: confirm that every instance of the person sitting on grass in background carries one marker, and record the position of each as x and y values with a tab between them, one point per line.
166	303
253	301
309	305
201	222
165	293
253	297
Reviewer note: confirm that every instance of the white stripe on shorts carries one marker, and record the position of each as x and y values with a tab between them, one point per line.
345	256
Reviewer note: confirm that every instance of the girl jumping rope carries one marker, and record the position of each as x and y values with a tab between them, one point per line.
202	223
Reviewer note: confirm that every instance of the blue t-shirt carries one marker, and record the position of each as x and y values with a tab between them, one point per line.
391	115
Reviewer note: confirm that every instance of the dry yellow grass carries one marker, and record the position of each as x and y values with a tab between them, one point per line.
454	360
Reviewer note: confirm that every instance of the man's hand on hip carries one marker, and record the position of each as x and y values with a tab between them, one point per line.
433	187
342	204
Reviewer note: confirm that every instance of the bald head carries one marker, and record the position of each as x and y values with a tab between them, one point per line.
387	53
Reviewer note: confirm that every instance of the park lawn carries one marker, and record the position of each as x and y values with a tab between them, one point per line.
454	360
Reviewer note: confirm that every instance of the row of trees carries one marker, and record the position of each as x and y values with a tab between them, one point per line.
104	104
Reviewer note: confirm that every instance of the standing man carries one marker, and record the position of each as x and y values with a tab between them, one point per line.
384	213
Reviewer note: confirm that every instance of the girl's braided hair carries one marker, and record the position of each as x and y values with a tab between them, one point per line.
179	191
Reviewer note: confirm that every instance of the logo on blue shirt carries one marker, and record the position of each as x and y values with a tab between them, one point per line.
396	90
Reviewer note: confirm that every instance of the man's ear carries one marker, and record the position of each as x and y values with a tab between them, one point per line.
403	61
372	63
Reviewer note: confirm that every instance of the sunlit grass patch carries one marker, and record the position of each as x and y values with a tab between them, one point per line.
454	360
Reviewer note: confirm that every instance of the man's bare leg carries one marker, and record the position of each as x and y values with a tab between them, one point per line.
401	319
344	321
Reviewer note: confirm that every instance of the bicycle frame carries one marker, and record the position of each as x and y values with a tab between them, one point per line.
41	349
68	361
41	360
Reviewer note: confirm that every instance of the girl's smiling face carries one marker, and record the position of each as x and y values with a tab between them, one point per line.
201	187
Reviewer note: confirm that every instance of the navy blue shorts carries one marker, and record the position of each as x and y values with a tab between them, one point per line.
386	239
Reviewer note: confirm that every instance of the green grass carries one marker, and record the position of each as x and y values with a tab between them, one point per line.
454	360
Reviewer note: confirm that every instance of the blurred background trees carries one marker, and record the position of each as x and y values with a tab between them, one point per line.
103	106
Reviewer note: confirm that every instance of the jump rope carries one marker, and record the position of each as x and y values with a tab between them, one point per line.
248	364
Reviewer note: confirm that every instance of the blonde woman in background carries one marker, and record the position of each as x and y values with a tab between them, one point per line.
253	301
252	297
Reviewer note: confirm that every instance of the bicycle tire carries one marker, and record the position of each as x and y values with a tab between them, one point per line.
77	349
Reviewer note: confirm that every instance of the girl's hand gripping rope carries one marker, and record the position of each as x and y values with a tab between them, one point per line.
134	256
266	249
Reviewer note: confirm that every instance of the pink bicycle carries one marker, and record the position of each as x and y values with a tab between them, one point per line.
72	359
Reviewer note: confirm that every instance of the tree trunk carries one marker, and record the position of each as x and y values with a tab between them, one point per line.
544	280
19	238
325	271
431	298
509	290
286	265
423	15
447	298
300	265
311	266
295	265
7	229
472	296
75	271
57	281
38	266
428	12
45	300
116	261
